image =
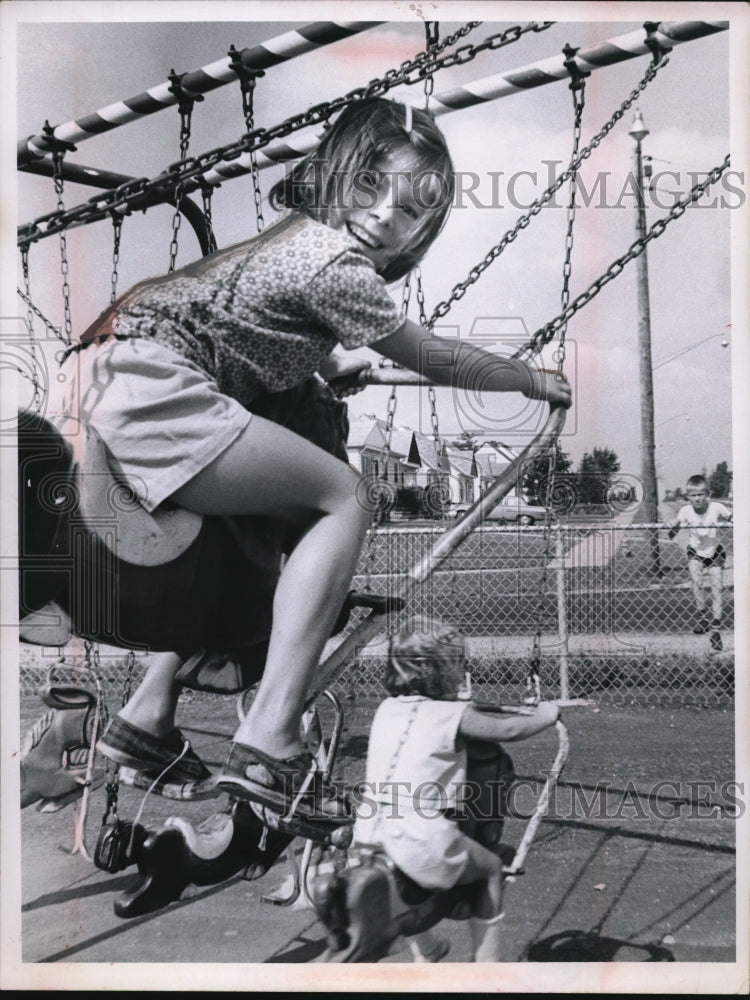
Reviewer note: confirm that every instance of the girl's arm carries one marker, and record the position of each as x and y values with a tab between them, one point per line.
494	728
460	364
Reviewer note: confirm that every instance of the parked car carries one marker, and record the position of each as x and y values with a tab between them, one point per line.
512	511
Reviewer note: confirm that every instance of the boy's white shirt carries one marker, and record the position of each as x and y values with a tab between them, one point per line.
704	529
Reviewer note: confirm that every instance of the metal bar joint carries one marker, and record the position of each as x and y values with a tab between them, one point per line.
577	75
657	48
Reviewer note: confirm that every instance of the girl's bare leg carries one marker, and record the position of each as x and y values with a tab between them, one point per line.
154	703
268	470
485	871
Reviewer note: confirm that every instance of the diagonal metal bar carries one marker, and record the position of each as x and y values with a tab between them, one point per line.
447	544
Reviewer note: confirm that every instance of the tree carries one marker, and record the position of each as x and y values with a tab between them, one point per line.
596	474
465	442
535	475
720	481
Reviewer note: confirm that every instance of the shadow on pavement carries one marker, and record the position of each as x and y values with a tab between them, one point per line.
588	946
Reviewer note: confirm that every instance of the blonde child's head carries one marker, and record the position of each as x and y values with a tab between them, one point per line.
366	135
697	492
426	658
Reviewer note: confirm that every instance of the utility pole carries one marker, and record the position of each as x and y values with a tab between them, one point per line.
648	458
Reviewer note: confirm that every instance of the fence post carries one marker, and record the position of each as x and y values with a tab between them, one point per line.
562	614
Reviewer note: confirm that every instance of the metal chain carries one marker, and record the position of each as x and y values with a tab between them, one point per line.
134	193
432	36
38	312
544	334
38	395
578	89
248	79
57	158
460	289
431	388
113	779
393	398
389	418
185	104
117	227
207	193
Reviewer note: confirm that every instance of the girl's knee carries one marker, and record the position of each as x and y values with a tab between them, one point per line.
356	501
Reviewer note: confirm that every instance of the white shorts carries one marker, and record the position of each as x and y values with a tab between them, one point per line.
161	416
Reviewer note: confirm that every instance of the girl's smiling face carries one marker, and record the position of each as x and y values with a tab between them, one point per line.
383	206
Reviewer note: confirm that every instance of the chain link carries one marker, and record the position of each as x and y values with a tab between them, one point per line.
34	378
432	36
431	397
389	418
460	289
248	79
136	193
185	104
546	333
26	298
578	89
207	193
117	228
57	158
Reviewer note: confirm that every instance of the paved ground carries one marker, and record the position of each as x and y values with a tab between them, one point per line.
625	872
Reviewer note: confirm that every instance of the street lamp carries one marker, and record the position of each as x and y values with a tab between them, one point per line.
648	460
675	417
691	347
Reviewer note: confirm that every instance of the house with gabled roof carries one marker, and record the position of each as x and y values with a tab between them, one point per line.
492	459
464	477
374	457
413	459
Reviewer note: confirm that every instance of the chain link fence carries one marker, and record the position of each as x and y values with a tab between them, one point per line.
611	608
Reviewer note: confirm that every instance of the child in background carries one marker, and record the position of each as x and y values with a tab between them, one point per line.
168	375
705	553
417	766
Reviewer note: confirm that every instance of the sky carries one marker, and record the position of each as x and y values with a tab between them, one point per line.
509	149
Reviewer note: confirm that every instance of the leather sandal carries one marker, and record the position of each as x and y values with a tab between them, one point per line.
288	787
129	746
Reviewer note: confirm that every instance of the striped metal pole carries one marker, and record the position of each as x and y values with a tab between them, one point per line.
608	53
259	57
616	50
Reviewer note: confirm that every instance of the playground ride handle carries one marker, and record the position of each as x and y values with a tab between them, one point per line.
448	542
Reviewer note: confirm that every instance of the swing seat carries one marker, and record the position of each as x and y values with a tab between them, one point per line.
177	855
93	563
55	751
91	569
366	908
